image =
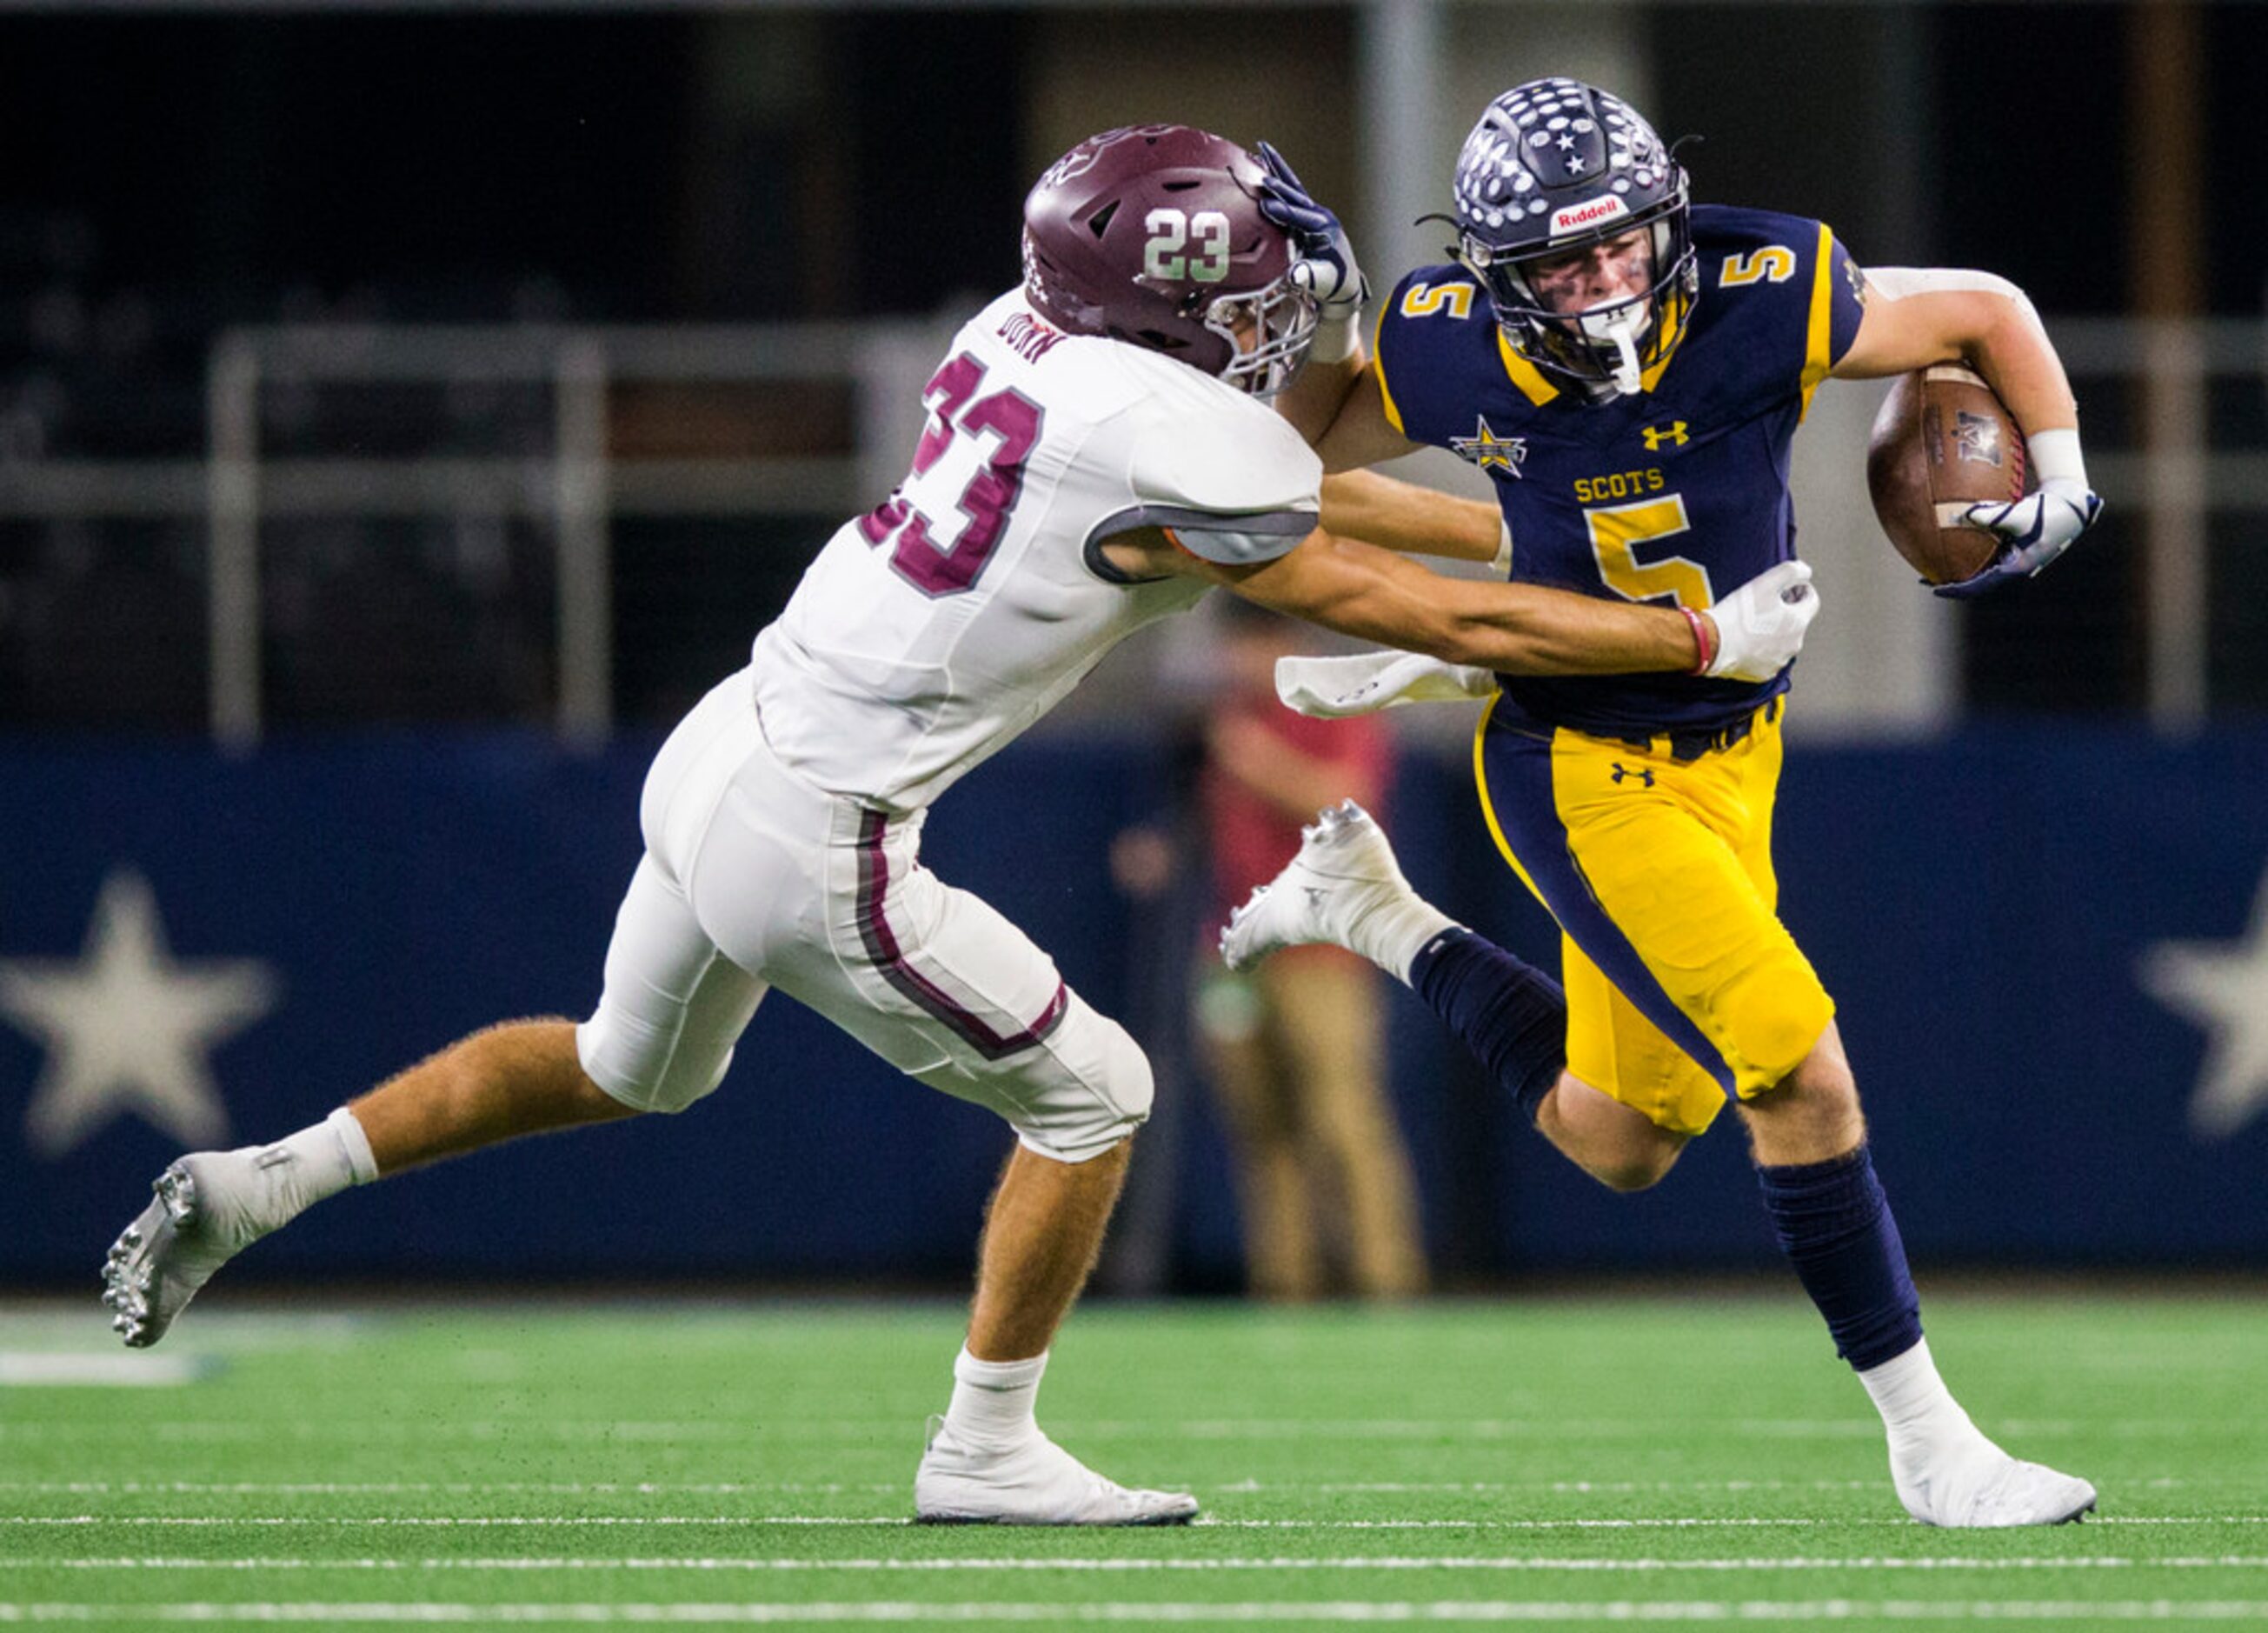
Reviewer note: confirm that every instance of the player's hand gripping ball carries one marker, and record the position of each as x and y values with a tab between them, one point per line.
1946	470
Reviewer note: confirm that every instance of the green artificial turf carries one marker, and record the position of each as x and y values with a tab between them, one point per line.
1545	1462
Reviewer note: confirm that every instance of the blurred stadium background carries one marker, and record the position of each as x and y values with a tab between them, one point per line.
406	410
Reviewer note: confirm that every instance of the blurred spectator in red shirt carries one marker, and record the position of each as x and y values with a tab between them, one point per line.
1295	1049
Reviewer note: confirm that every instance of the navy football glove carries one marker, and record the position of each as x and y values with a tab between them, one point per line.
2037	529
1326	266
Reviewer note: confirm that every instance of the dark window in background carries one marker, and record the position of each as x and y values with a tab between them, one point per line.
932	101
2235	138
1768	113
432	160
2060	226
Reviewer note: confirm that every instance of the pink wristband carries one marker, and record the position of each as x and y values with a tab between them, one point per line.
1702	643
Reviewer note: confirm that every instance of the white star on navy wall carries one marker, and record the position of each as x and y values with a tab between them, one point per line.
126	1027
2223	986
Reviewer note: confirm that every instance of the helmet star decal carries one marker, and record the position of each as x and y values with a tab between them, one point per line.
1486	451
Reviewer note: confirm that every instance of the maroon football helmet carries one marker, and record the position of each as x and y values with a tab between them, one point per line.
1152	234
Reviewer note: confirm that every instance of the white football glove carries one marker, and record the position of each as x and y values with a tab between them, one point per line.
1760	625
1364	683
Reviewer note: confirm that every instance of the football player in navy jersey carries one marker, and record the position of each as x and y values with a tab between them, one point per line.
1631	370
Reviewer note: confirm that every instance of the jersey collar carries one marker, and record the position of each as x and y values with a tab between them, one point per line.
1523	373
1539	390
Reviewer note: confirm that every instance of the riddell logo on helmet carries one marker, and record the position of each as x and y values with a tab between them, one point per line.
1574	218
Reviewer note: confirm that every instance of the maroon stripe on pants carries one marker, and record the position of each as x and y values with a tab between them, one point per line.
881	944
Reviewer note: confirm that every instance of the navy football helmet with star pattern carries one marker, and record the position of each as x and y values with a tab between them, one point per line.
1555	166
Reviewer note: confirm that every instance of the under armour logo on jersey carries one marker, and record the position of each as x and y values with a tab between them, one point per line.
1487	451
1643	776
1672	433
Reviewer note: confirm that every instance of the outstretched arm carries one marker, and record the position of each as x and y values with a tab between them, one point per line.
1360	590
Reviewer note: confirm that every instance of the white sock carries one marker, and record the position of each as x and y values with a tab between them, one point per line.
319	1161
1916	1405
992	1399
1392	934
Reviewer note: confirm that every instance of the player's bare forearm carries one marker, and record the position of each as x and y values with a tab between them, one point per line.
1312	401
1519	629
1405	518
1993	330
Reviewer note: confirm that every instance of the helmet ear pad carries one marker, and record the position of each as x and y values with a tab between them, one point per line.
1152	234
1555	164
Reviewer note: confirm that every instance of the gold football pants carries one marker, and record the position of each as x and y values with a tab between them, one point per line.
1682	984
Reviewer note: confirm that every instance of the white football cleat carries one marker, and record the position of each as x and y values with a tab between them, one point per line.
1037	1483
200	1220
1344	882
1982	1486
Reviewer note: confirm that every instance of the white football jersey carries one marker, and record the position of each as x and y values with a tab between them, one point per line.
932	629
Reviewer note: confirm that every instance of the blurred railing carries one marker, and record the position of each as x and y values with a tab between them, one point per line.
610	425
2172	467
720	423
583	485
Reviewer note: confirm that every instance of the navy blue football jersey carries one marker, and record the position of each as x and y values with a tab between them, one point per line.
1675	494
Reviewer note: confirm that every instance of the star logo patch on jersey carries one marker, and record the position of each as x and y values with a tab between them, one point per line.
1486	451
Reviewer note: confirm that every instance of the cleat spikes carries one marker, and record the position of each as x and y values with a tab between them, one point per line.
204	1209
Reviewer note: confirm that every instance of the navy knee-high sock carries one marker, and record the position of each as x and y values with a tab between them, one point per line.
1509	1014
1834	1225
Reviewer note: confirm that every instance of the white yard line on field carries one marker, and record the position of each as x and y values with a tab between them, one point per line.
1291	1562
435	1487
834	1488
79	1369
1444	1430
1559	1612
477	1521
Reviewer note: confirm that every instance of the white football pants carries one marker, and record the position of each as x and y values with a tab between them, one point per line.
753	878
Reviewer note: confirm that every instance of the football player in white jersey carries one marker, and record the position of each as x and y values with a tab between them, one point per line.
1099	450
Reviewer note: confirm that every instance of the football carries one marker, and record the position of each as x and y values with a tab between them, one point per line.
1942	441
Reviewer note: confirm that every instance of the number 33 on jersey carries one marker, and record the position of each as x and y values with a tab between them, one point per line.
962	606
1675	493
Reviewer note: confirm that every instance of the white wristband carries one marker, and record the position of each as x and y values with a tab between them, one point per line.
2055	457
1500	564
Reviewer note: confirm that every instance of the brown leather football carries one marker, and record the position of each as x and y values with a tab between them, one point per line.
1942	441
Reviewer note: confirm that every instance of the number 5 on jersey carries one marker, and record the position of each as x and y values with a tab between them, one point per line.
950	512
1617	530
